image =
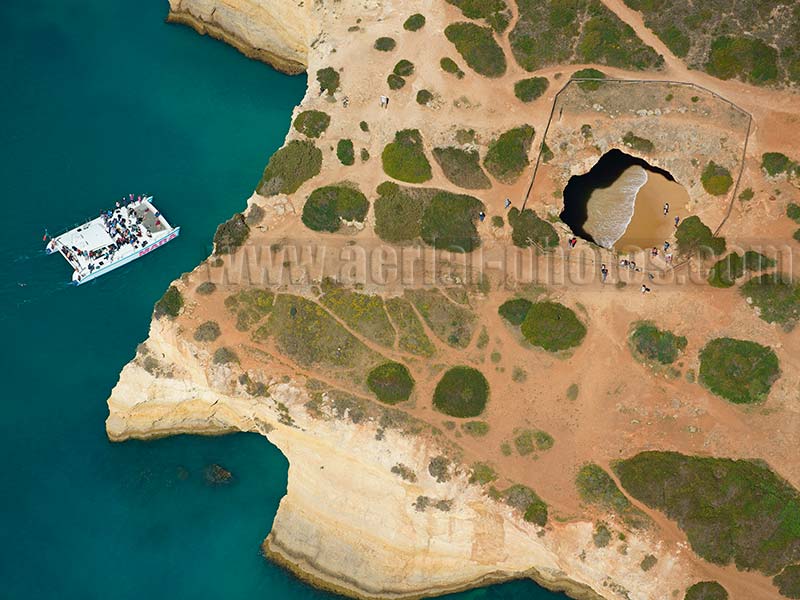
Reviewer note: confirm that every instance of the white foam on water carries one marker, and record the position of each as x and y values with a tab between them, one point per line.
610	210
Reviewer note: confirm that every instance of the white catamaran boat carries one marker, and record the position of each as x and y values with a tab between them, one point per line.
119	236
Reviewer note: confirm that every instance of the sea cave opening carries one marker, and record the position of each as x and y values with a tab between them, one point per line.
620	203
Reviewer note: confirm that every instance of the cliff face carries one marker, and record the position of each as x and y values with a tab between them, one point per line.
348	522
278	33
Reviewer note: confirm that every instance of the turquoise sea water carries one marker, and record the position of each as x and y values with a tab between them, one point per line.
102	98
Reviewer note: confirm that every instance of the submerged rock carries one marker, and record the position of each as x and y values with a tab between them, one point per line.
216	475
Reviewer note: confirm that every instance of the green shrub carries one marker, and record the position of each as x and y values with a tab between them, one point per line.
249	306
730	509
530	230
328	79
364	126
676	40
449	66
589	86
552	326
648	562
638	143
170	304
507	156
478	47
595	486
515	310
404	159
523	498
706	590
414	23
475	428
423	97
793	212
345	152
398	213
497	221
297	162
726	271
206	288
776	297
495	12
656	345
312	123
755	261
328	206
462	167
746	195
693	236
395	82
788	581
364	155
530	89
740	371
390	382
716	179
461	392
601	536
224	356
404	68
448	222
207	332
439	469
606	39
775	163
385	44
547	154
230	235
745	58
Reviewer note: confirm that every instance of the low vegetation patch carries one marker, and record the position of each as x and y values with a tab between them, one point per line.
694	237
706	590
524	499
639	144
482	473
601	536
414	23
726	271
404	68
412	336
716	179
589	86
654	345
746	58
451	323
345	152
363	313
328	206
385	44
788	581
461	392
793	212
507	156
328	79
595	486
515	310
231	234
307	334
291	166
404	159
206	288
478	47
776	297
170	304
450	66
552	326
249	306
224	356
731	510
448	222
527	441
530	89
475	428
398	212
495	12
312	123
740	371
462	167
775	163
395	82
390	382
527	229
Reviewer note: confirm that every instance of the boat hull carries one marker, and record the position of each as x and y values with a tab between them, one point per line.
154	245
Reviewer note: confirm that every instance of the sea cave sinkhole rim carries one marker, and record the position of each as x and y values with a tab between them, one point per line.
604	173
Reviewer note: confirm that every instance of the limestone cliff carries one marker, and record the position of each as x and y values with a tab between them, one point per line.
348	522
278	33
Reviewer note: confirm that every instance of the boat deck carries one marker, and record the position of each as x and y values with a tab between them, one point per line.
113	237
